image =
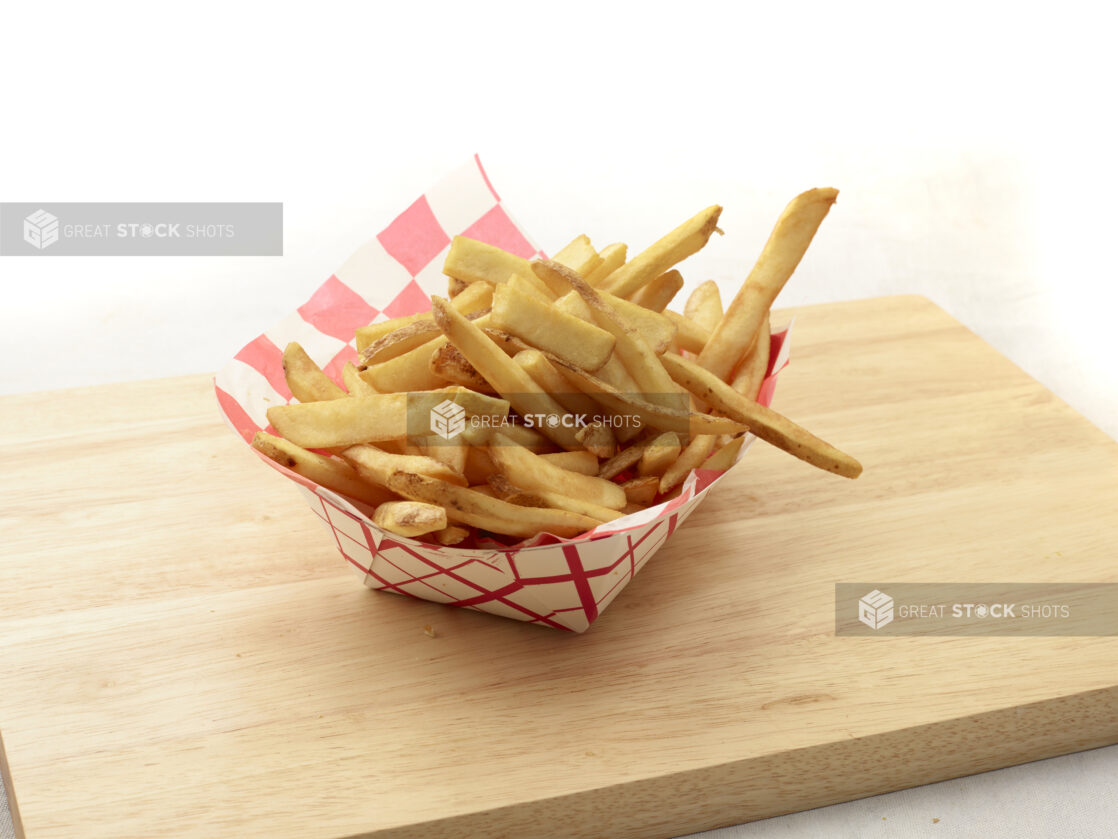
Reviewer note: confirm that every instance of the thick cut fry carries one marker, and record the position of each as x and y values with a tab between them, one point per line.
657	416
597	439
354	383
532	472
689	335
692	457
471	507
546	327
376	465
342	422
504	374
450	452
621	461
531	285
410	371
479	466
366	335
704	306
451	535
764	422
449	364
690	237
641	491
737	331
475	297
305	378
656	327
472	261
545	498
631	348
529	438
455	286
582	462
325	471
409	518
726	456
751	372
394	344
536	365
508	342
659	454
613	257
579	255
657	294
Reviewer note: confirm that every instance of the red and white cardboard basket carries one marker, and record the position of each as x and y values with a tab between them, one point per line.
561	583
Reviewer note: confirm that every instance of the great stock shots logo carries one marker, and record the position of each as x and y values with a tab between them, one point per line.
40	229
875	610
448	419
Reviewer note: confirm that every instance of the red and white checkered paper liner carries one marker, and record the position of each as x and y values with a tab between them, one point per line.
561	583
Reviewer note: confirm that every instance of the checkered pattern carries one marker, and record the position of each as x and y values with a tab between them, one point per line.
561	583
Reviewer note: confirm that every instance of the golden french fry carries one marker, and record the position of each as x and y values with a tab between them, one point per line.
451	535
621	461
764	422
469	506
579	255
690	335
613	257
475	297
479	466
690	237
396	343
366	335
503	373
659	454
751	372
704	306
583	462
635	353
656	327
726	456
449	364
508	491
305	378
531	472
737	331
641	491
325	471
450	452
342	422
455	286
657	294
692	457
544	326
536	365
529	438
658	416
471	261
597	439
407	372
354	383
409	518
376	465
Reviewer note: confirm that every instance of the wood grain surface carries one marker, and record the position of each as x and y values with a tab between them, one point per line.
183	653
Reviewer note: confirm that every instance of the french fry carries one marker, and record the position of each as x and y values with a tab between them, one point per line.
656	327
536	365
471	261
354	383
409	518
305	378
455	286
641	491
342	422
396	343
736	333
751	372
475	297
657	416
479	466
543	326
529	438
325	471
407	372
376	465
579	255
450	452
631	348
582	462
690	334
451	535
692	457
449	364
726	456
704	306
468	506
532	472
673	248
511	344
659	454
504	489
657	294
624	459
545	498
366	335
613	257
597	439
502	372
766	423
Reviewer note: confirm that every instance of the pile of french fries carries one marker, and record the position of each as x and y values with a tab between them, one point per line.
580	397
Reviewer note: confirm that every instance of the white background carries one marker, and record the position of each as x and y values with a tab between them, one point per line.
973	144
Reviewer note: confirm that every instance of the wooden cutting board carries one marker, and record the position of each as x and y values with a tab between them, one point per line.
184	653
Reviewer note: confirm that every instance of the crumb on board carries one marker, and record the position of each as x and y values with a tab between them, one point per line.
935	821
429	631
